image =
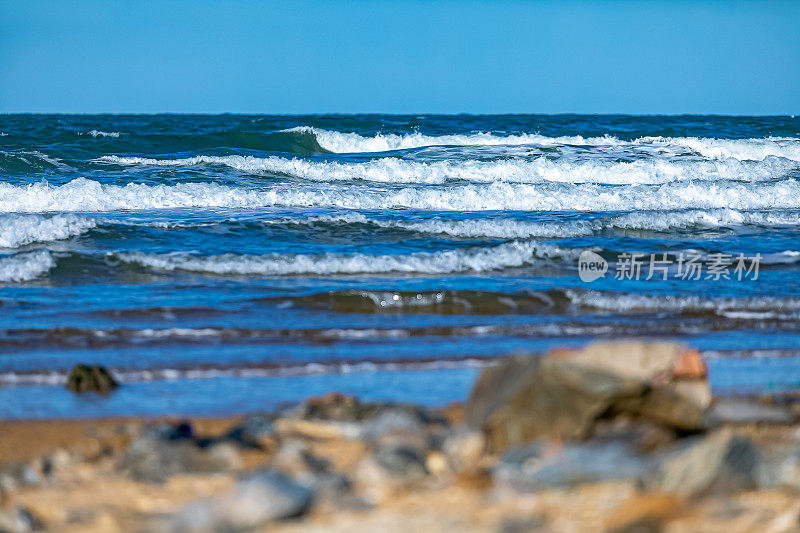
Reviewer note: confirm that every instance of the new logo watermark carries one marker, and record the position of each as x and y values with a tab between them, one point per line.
591	266
683	266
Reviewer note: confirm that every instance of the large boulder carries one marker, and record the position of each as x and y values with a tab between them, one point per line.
564	393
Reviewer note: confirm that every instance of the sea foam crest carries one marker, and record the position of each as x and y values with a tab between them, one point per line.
90	196
339	142
512	254
25	266
540	170
509	228
756	149
19	230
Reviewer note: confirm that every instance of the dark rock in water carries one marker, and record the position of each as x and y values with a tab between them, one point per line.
85	378
548	464
254	501
170	450
19	520
721	463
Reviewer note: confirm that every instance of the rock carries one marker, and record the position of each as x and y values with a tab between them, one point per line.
19	520
563	394
549	464
337	407
741	411
254	501
255	431
17	474
437	464
402	462
682	404
721	463
316	429
396	427
464	448
84	378
164	452
524	398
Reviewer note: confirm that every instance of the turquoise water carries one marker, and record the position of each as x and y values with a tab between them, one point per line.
230	263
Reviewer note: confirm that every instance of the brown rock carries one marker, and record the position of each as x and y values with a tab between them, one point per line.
643	513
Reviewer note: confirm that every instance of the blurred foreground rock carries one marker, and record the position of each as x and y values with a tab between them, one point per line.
564	394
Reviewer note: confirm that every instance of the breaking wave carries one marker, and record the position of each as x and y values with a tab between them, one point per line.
84	195
19	230
25	266
742	149
540	170
512	254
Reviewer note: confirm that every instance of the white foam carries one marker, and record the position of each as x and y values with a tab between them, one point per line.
755	149
540	170
740	149
19	230
508	228
98	133
25	266
640	302
82	195
506	255
339	142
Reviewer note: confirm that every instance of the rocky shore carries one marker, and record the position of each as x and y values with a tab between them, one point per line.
622	437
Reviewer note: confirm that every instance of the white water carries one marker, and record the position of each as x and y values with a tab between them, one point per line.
19	230
25	266
506	255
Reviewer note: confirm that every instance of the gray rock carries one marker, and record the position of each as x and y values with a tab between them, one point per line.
682	404
721	463
19	520
401	462
254	501
85	378
548	464
16	474
159	454
396	427
741	411
256	431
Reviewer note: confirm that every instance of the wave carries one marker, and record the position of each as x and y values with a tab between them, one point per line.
82	195
19	230
540	170
763	306
508	228
756	149
512	254
98	133
25	266
27	161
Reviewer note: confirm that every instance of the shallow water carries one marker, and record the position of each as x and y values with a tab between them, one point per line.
261	258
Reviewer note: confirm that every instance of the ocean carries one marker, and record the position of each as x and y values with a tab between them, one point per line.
221	264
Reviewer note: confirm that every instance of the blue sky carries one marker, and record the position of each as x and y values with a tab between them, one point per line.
400	56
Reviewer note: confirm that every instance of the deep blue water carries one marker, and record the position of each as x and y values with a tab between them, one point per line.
228	263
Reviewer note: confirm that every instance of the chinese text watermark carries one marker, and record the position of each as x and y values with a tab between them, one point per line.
683	266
